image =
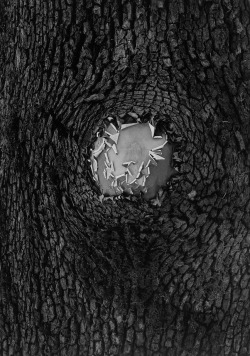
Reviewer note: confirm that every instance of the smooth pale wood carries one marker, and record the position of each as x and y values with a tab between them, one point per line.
134	144
133	147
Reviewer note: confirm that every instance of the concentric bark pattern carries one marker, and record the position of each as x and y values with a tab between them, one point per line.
81	277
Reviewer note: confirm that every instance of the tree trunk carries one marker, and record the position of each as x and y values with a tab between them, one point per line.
85	277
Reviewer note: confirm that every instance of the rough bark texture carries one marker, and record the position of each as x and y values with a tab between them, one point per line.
81	277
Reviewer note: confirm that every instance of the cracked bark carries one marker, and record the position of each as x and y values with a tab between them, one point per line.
79	277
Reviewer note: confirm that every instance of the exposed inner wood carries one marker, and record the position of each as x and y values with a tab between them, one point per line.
131	159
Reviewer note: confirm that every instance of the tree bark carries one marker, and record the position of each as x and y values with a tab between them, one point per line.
83	277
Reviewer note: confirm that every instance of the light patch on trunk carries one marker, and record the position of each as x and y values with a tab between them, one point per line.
131	160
